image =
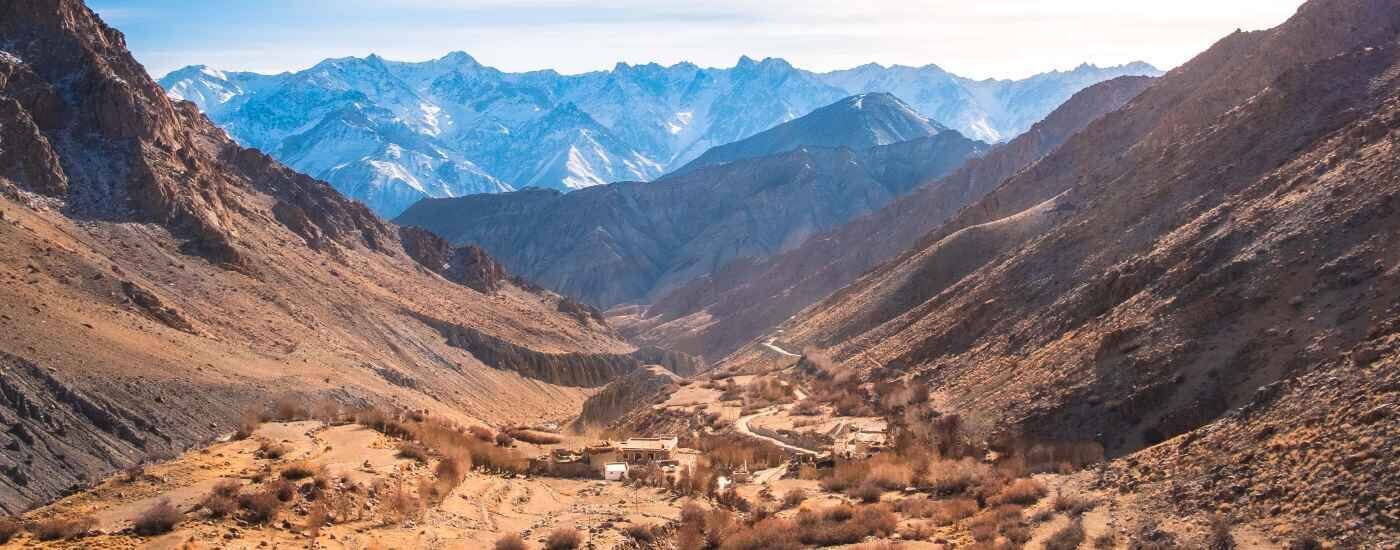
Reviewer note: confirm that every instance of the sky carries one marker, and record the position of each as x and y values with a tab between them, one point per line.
978	39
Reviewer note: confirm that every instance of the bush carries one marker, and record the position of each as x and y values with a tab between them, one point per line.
482	433
951	477
1073	505
1220	537
300	470
1305	542
160	518
867	492
9	527
222	500
891	475
504	440
413	451
563	538
1105	541
537	438
247	424
510	541
260	508
878	521
953	510
272	450
771	533
846	476
1068	538
641	533
794	497
400	504
806	407
1024	491
65	528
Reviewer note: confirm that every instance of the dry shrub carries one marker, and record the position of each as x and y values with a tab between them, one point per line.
563	538
317	518
290	408
260	508
160	518
916	507
300	470
504	440
65	528
1063	457
917	530
952	477
771	533
852	405
510	541
950	511
718	523
482	433
1305	542
413	451
1148	535
847	475
878	521
690	537
399	505
794	497
247	424
1018	533
222	500
1024	491
644	534
983	527
732	450
1105	541
891	475
9	527
1073	505
283	489
536	438
868	491
1068	538
1220	537
806	407
272	450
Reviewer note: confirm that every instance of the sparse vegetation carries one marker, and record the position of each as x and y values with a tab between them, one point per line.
536	437
1024	491
300	470
222	500
63	527
482	433
272	450
794	497
260	508
160	518
1068	538
1220	537
1072	504
413	451
644	534
563	538
510	541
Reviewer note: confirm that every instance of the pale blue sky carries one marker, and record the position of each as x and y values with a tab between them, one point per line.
988	38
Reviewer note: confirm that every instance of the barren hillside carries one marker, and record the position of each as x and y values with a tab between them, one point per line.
159	280
1216	244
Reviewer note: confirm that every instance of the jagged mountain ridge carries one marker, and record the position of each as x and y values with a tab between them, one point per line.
542	128
160	280
627	242
716	314
1206	271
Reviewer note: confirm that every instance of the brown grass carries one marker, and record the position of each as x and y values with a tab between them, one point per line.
9	527
847	475
1024	491
771	533
952	477
222	500
868	491
1105	541
643	534
563	538
64	528
482	433
953	510
510	541
160	518
399	504
891	475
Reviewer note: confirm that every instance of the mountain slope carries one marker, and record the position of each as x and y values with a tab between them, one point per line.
1208	262
718	313
857	122
161	280
626	242
568	131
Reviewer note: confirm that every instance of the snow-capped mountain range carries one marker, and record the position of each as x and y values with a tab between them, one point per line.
389	133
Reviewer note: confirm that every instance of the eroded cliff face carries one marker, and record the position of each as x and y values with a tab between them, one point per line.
624	395
159	280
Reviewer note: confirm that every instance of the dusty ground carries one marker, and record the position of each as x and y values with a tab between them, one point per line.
473	515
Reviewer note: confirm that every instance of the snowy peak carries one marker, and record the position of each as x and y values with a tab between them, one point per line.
542	128
857	122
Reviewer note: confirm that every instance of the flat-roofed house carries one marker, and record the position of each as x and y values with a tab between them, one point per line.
644	450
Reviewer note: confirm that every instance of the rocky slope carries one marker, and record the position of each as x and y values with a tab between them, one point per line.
715	314
1207	267
627	242
388	132
160	280
857	122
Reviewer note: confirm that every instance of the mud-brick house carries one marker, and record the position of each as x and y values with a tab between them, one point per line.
645	450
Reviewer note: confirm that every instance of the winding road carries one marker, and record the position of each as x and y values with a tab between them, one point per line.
742	426
780	351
